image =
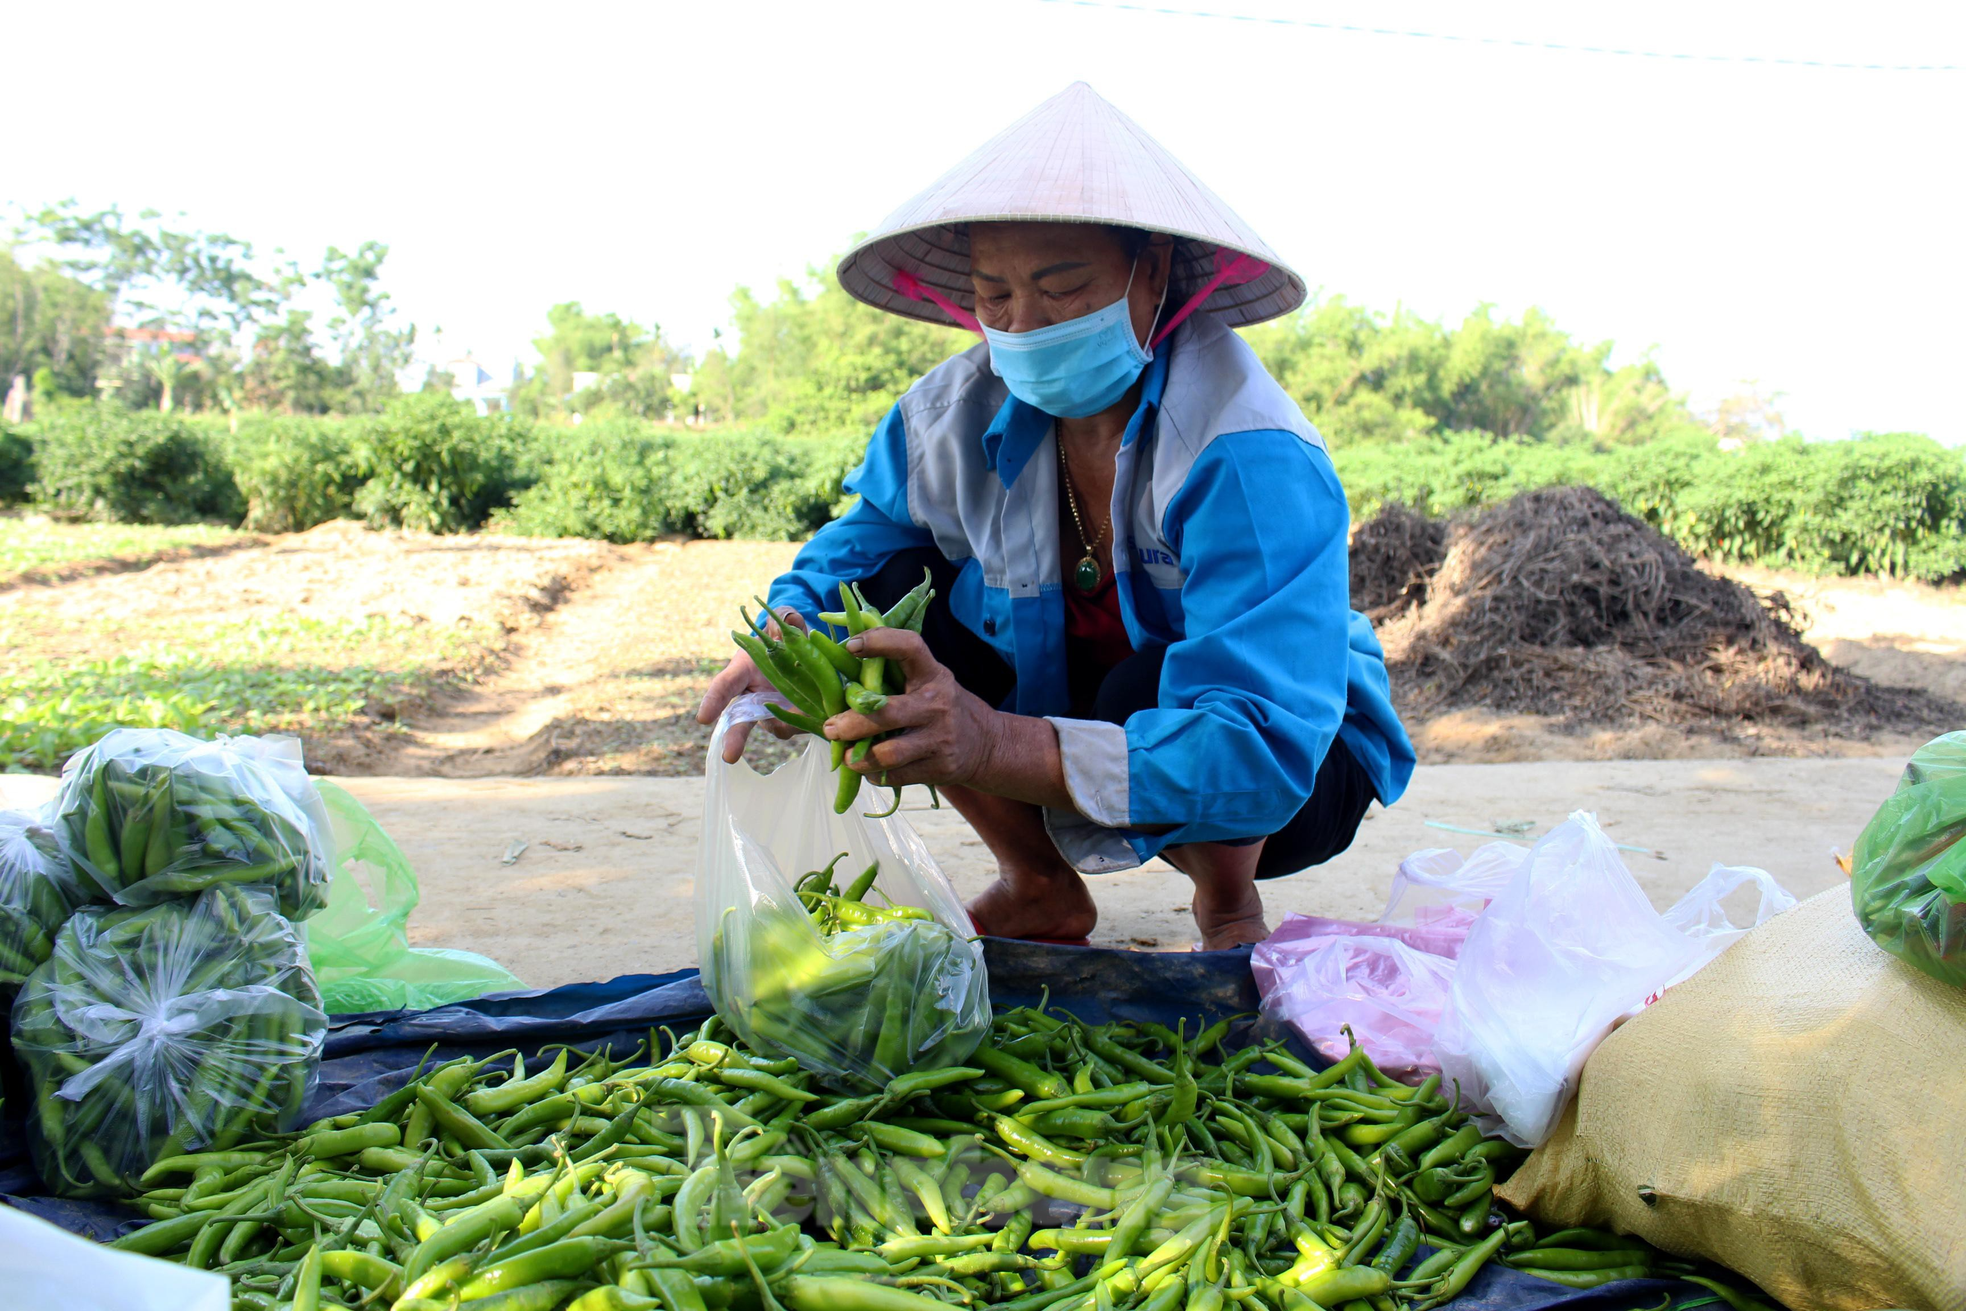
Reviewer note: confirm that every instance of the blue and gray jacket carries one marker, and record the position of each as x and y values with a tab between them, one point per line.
1229	549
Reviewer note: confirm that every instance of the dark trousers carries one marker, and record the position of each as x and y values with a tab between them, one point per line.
1321	829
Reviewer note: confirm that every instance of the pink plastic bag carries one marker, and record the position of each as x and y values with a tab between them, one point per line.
1387	982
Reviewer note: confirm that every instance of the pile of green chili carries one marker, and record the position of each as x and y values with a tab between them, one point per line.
821	678
1069	1166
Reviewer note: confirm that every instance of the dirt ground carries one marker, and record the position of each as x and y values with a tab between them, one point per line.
586	658
570	739
603	879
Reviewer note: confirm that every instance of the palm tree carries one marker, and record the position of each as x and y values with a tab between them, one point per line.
169	369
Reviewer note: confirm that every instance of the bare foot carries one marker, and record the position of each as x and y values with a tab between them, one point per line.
1229	917
1234	933
1035	906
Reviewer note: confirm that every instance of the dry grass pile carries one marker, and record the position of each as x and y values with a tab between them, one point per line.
1558	603
1393	555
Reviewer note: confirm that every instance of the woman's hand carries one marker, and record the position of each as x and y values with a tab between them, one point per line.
741	675
946	735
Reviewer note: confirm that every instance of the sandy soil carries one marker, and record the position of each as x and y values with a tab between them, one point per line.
1901	634
604	881
606	683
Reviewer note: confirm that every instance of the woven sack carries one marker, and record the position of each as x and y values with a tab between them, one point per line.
1792	1112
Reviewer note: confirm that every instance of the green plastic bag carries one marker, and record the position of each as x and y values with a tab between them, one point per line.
1908	872
359	944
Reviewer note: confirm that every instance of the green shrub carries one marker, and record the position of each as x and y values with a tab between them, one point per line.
1891	504
16	466
432	464
294	472
626	482
106	463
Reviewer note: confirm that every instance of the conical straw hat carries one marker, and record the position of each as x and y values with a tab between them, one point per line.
1073	159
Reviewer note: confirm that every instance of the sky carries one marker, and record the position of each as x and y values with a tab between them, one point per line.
1792	228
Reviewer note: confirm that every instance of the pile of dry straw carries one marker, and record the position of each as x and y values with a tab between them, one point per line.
1558	603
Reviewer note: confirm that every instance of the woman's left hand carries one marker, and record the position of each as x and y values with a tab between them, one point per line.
944	734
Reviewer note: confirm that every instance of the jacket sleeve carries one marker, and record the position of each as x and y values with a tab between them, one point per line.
855	545
1253	694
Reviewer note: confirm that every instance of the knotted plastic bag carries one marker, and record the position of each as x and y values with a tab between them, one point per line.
148	814
38	892
857	1006
1324	976
359	944
170	1028
1908	870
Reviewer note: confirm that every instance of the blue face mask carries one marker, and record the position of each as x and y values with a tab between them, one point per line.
1073	369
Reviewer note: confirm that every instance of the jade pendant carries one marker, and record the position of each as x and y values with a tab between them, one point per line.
1085	576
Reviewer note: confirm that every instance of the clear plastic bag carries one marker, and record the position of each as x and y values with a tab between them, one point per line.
38	892
1436	888
857	1007
359	944
149	814
1908	869
1376	979
1563	952
1700	916
190	1024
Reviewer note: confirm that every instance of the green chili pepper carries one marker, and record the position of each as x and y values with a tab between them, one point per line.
1464	1269
1038	1083
810	1293
1588	1278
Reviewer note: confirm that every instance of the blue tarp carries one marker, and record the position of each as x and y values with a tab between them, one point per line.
369	1056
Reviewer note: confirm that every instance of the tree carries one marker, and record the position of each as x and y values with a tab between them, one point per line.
212	286
286	372
632	367
197	279
170	369
815	360
372	353
1368	378
49	322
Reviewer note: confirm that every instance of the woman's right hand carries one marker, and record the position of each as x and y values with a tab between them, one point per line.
741	675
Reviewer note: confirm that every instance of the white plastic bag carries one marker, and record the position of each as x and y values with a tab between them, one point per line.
1436	888
858	1007
1700	916
1559	957
45	1266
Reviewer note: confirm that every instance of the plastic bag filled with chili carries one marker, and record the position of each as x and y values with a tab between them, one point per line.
1908	870
38	892
870	986
172	1028
147	814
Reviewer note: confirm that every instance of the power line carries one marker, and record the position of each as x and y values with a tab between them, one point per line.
1514	42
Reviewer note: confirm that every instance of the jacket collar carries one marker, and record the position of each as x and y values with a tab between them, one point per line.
1015	434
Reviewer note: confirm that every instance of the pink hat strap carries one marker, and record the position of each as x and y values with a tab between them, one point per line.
910	286
1228	272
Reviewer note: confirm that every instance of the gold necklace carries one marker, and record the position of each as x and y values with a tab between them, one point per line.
1087	573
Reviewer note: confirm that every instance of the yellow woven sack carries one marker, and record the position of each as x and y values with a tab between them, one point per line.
1793	1111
